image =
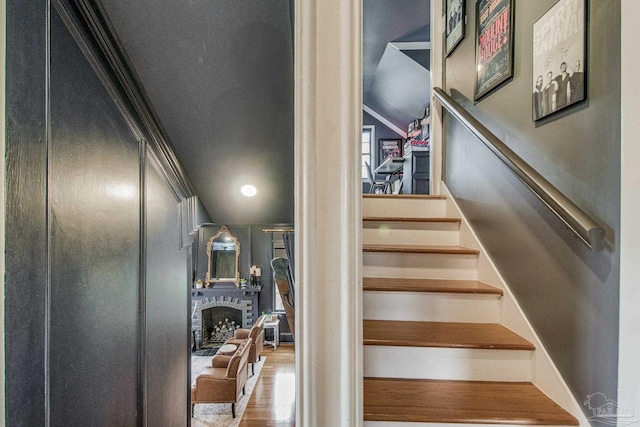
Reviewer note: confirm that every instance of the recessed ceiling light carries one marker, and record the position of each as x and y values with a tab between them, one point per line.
248	190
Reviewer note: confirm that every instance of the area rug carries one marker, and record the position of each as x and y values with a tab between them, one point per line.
209	351
219	414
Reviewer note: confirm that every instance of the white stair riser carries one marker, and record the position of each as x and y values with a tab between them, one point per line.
447	363
431	307
410	234
420	266
419	208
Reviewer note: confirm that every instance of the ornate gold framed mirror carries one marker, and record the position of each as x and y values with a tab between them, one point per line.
223	251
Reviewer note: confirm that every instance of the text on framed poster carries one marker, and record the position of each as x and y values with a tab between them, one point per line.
494	45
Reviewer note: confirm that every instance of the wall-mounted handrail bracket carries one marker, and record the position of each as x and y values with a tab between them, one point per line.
581	224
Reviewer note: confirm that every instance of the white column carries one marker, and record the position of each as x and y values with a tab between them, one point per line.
437	66
629	344
328	126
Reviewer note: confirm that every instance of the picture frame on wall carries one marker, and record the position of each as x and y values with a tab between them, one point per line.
559	58
455	22
389	148
494	45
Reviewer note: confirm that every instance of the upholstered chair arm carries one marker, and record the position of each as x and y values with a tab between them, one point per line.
209	389
241	334
220	361
238	359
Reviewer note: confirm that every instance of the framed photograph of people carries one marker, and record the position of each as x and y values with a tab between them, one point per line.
559	58
455	23
494	45
389	148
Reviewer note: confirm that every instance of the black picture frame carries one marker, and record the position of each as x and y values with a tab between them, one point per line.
494	45
559	66
389	148
455	24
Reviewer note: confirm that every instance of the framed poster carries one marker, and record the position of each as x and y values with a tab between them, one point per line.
559	58
455	23
494	45
389	148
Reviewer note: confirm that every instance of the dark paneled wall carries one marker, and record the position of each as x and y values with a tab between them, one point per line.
568	293
94	251
26	238
88	339
167	310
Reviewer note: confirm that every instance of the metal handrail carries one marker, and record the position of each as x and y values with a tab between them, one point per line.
582	225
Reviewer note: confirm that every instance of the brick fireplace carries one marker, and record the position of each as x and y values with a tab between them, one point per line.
214	319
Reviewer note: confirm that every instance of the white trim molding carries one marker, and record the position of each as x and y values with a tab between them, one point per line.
372	148
383	120
328	130
629	333
411	45
438	64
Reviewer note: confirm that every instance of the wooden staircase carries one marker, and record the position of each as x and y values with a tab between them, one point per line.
435	350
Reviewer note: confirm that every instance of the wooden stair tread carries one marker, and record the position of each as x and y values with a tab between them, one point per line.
411	219
470	402
388	284
420	249
442	334
405	196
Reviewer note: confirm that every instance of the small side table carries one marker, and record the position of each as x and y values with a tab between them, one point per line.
275	325
227	349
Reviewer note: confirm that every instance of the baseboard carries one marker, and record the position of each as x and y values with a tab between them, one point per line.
286	337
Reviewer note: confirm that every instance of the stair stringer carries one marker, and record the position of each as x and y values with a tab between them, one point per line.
545	375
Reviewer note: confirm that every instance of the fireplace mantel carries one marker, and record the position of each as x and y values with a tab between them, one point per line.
228	290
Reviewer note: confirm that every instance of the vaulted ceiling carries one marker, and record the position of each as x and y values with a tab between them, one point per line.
219	74
396	53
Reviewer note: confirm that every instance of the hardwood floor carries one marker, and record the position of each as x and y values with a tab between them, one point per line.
442	334
387	284
272	402
470	402
420	249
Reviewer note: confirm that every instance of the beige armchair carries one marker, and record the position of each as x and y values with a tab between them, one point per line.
224	381
256	333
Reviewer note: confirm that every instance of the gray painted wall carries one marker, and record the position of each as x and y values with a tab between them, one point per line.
255	249
568	293
26	233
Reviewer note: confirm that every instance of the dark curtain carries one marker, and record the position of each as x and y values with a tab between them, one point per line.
289	247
